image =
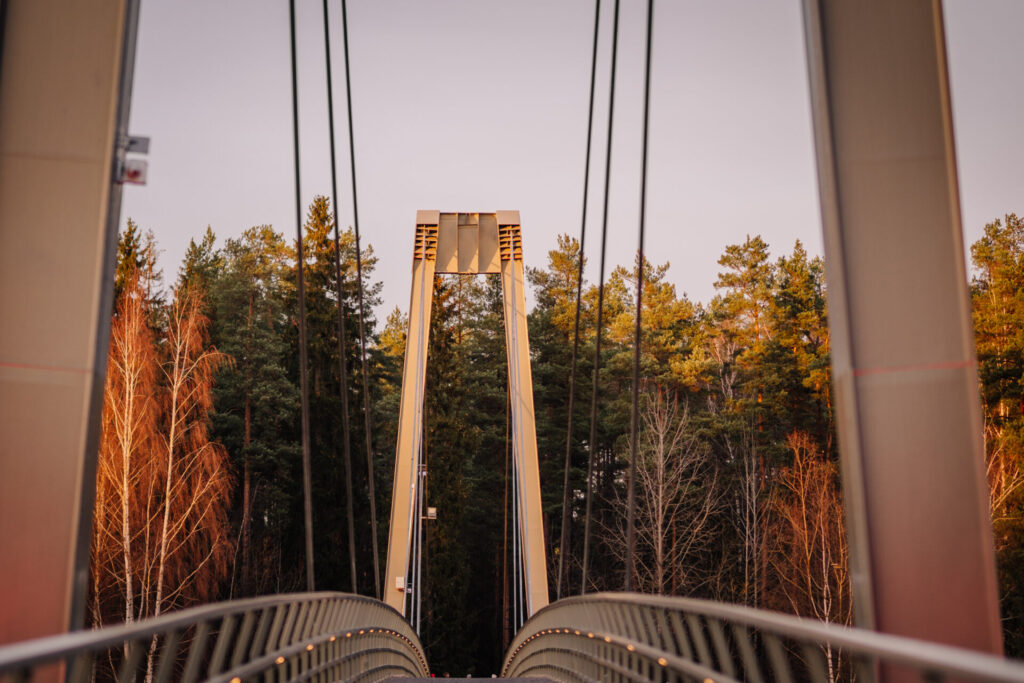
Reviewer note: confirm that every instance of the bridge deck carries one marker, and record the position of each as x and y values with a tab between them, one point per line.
521	680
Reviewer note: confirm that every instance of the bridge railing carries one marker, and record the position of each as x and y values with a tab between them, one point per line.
631	637
308	636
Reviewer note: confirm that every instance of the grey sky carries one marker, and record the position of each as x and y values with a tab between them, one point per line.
478	105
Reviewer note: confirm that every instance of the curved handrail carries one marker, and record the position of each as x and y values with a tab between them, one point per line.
643	637
335	636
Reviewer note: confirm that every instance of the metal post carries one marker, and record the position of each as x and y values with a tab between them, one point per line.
904	368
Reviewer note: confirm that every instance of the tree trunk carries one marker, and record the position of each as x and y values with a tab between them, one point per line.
246	508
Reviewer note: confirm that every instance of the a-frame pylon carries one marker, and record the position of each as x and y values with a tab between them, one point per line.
467	243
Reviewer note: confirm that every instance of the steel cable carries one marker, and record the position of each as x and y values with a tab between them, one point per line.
600	305
362	315
564	547
342	366
303	361
634	417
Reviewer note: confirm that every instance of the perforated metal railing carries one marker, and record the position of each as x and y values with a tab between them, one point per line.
309	636
630	637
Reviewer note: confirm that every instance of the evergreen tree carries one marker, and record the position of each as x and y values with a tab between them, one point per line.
201	266
329	525
449	445
257	406
997	294
137	256
130	258
799	352
551	338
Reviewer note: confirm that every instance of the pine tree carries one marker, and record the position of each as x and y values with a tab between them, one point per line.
201	266
798	355
449	445
257	405
137	256
330	525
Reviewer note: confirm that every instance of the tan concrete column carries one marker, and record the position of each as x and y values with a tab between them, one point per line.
524	428
59	115
410	417
904	367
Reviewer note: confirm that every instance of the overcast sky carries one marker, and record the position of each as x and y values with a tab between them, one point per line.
479	105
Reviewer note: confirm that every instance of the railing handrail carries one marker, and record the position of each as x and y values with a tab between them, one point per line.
922	655
26	655
48	648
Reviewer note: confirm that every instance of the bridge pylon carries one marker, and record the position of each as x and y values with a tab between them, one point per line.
467	243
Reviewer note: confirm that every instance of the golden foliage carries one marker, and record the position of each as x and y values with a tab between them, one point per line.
160	522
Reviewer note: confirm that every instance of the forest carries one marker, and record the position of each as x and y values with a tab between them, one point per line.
199	486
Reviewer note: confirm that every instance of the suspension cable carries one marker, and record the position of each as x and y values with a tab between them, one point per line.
303	361
634	418
600	304
342	366
564	547
362	326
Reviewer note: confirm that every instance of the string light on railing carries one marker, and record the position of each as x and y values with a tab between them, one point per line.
279	660
309	648
662	661
628	647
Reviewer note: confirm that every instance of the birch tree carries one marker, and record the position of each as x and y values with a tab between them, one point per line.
678	496
809	553
160	519
125	466
749	502
190	537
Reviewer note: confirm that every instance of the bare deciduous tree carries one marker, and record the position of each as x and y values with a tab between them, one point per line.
191	540
749	501
160	520
677	497
809	551
1004	468
125	469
